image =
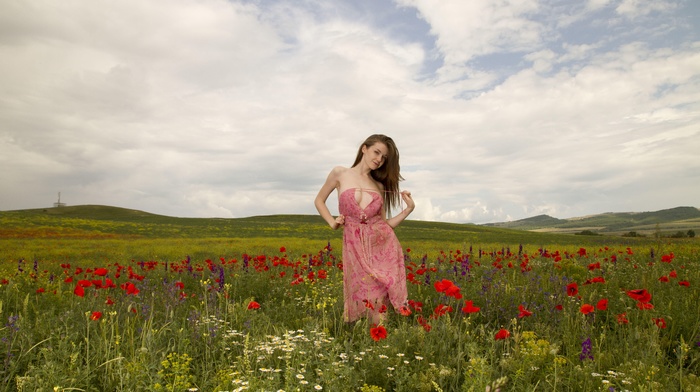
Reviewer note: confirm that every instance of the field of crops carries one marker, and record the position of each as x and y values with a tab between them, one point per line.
83	309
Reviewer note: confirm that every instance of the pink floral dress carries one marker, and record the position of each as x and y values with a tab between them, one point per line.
374	274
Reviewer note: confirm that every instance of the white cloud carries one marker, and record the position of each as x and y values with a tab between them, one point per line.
233	108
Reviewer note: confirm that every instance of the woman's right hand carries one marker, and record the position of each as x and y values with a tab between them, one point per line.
339	221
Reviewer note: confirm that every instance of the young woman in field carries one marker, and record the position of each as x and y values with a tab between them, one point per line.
374	274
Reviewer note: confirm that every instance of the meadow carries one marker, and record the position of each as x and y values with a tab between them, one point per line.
105	300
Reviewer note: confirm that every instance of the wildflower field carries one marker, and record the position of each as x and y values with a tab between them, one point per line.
90	306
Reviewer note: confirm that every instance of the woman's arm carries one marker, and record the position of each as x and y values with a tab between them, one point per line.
331	183
410	206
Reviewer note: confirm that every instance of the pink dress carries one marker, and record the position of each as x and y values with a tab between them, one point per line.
374	273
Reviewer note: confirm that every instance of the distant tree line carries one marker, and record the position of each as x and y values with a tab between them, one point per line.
678	234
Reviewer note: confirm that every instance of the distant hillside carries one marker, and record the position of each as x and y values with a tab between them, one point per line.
644	223
96	222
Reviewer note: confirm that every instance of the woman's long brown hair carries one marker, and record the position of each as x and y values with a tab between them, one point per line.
389	174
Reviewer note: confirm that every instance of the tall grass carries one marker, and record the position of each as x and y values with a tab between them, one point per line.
148	303
266	314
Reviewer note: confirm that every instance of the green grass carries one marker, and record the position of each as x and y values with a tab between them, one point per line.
189	327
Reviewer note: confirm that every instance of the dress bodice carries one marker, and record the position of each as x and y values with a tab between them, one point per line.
351	208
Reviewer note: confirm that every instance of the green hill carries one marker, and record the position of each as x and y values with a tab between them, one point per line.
645	223
94	221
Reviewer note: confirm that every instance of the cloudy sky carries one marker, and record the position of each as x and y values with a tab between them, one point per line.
501	110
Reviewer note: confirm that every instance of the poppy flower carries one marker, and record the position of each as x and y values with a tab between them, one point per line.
502	334
660	322
470	308
283	249
96	316
587	308
405	311
454	292
40	290
416	305
602	304
663	279
572	289
441	310
130	288
684	283
253	305
100	271
523	312
645	305
79	291
640	295
377	333
424	323
442	285
622	318
673	274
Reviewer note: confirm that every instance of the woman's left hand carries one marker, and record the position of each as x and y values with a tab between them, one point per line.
410	204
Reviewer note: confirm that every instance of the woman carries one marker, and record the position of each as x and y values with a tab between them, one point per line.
374	274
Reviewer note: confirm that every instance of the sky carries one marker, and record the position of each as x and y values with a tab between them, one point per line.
501	110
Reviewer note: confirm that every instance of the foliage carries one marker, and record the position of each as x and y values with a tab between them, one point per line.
259	312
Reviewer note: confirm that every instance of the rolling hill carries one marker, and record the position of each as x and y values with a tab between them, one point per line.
644	223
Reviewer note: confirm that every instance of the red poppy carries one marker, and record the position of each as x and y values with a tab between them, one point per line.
559	307
622	318
470	308
441	310
640	295
523	312
283	249
84	283
322	274
79	291
378	333
40	290
109	301
663	279
667	258
454	292
502	334
368	304
416	305
594	266
405	311
581	252
442	285
253	305
100	271
572	289
645	305
684	283
602	304
130	288
673	274
587	308
96	316
660	322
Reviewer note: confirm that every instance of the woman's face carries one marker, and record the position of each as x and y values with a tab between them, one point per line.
375	155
